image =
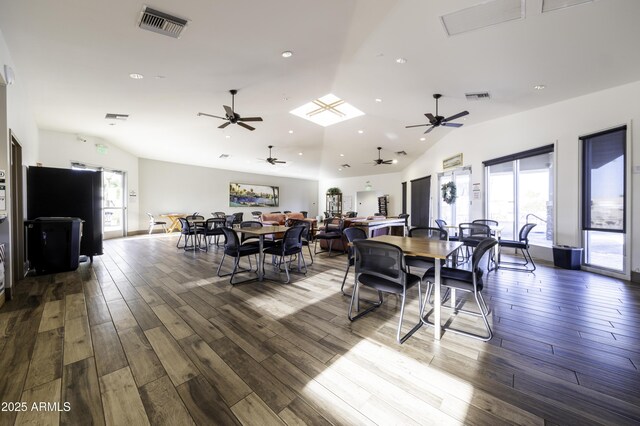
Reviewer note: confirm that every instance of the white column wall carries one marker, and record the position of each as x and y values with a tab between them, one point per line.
178	188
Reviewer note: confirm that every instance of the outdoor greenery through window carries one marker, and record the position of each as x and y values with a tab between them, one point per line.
519	191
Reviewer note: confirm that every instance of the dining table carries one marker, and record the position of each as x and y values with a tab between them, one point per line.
422	247
175	220
261	233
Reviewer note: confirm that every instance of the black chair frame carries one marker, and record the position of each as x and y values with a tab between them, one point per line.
521	244
233	248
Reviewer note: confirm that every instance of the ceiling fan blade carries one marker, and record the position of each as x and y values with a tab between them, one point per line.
416	125
210	115
431	118
228	110
458	115
387	162
429	129
280	162
452	124
250	119
222	126
246	126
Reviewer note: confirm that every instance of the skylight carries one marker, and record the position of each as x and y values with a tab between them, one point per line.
327	110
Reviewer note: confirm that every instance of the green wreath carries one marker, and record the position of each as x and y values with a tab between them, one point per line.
449	192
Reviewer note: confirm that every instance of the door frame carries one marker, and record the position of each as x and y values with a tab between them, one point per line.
626	273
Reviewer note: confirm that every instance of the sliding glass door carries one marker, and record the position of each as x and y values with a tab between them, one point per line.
604	199
519	191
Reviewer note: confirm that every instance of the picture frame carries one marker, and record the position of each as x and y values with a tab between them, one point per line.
253	195
454	161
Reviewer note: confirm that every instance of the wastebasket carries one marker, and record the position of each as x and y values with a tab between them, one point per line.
567	257
53	244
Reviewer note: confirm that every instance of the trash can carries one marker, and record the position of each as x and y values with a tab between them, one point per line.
53	244
567	257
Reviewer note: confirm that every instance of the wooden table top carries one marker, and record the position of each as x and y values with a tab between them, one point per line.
265	230
369	222
420	246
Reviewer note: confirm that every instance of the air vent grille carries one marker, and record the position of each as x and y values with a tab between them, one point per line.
401	153
224	156
483	15
111	116
345	165
161	23
478	96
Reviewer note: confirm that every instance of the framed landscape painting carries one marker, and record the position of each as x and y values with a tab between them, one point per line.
248	195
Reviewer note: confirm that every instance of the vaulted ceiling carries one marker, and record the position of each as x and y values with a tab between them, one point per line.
76	58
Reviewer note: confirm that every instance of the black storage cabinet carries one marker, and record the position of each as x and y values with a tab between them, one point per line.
53	244
567	257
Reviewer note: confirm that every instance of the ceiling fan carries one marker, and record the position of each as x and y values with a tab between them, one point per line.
232	116
272	160
439	120
380	160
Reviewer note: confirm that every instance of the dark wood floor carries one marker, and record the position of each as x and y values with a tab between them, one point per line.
149	334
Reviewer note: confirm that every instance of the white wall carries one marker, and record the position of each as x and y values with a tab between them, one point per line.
561	123
17	116
386	184
58	149
178	188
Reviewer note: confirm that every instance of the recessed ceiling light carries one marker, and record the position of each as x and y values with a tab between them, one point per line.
395	161
339	170
136	76
361	131
401	60
287	54
290	132
112	124
228	136
299	153
539	86
378	100
341	155
423	139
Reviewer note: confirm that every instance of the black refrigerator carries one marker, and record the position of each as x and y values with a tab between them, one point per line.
53	192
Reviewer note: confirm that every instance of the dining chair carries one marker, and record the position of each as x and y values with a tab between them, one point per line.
381	267
291	244
351	234
306	235
442	224
521	244
332	231
488	222
237	218
470	234
469	281
233	248
254	239
405	216
186	231
220	215
213	230
153	223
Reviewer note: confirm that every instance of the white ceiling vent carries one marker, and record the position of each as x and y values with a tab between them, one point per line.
161	23
483	15
401	152
478	96
549	5
111	116
223	156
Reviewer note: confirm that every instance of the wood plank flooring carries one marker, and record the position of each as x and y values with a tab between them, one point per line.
148	334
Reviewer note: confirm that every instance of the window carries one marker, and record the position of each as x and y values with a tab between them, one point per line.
457	212
519	191
603	198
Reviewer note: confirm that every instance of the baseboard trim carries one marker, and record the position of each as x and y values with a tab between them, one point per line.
635	277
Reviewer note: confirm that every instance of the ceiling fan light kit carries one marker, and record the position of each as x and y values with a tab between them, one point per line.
439	120
232	116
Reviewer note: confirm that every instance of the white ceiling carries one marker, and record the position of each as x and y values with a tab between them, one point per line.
76	57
